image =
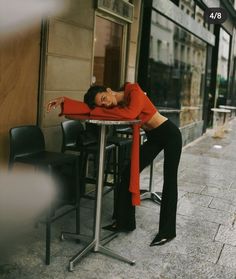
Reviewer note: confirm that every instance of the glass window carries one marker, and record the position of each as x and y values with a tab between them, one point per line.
177	70
199	15
222	69
159	48
151	47
187	6
232	92
176	2
108	53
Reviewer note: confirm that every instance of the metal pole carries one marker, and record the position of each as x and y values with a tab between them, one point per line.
100	187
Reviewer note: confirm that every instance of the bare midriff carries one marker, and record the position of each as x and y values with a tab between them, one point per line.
156	120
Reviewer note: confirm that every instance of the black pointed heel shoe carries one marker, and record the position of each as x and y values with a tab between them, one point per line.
160	240
114	228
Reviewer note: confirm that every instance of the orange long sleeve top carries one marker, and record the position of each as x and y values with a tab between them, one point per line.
138	107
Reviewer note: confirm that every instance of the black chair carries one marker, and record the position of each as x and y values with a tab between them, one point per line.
27	146
84	141
127	132
124	136
123	149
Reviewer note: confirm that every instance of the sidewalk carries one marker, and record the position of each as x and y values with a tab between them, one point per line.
205	246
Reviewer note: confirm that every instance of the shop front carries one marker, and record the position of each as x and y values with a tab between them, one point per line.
176	64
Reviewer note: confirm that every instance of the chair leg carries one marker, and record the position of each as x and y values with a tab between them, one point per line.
77	202
82	171
107	162
48	226
108	158
51	213
48	242
115	168
118	166
121	161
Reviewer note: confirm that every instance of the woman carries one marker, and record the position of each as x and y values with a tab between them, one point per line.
161	134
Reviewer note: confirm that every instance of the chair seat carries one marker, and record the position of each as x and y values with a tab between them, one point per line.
124	130
94	148
119	141
45	158
90	148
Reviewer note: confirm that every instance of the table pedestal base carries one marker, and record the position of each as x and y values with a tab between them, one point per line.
99	248
149	194
154	196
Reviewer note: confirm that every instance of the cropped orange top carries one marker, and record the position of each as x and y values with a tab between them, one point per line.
138	107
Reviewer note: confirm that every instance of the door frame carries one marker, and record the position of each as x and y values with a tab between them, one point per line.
123	45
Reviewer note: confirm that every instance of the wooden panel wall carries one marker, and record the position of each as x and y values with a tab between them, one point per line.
19	75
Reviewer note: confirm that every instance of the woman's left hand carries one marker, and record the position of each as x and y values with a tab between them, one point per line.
53	104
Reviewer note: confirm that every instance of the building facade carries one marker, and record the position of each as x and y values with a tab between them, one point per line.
183	63
187	62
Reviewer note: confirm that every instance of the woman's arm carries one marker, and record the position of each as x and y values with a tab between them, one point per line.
131	111
68	106
53	104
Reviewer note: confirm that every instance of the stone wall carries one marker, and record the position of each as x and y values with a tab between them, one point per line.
68	62
191	132
133	43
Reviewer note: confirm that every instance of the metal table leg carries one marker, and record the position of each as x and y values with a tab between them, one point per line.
96	243
149	194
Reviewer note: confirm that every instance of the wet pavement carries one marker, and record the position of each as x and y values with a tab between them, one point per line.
205	246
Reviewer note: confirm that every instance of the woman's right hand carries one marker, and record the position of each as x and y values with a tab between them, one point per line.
53	104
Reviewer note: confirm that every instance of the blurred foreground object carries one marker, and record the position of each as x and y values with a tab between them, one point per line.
220	122
23	197
20	14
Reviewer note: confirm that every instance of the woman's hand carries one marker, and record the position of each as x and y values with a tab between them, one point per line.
53	104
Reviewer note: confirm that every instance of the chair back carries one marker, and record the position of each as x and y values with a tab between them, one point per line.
25	140
71	129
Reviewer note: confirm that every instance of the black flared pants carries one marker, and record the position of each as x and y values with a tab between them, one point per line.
166	137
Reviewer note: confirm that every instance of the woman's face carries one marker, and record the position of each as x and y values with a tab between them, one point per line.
106	99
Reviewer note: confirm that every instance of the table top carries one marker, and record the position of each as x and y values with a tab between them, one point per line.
227	107
101	121
221	110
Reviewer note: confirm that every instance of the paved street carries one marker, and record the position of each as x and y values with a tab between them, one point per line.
205	246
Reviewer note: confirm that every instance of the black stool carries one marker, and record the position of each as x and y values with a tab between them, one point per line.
123	148
78	139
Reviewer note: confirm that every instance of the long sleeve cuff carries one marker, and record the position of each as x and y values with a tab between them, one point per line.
74	107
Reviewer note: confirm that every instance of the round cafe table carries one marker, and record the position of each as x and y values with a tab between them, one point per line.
96	243
220	121
231	108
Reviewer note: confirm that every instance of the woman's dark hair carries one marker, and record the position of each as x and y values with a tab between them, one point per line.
89	97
